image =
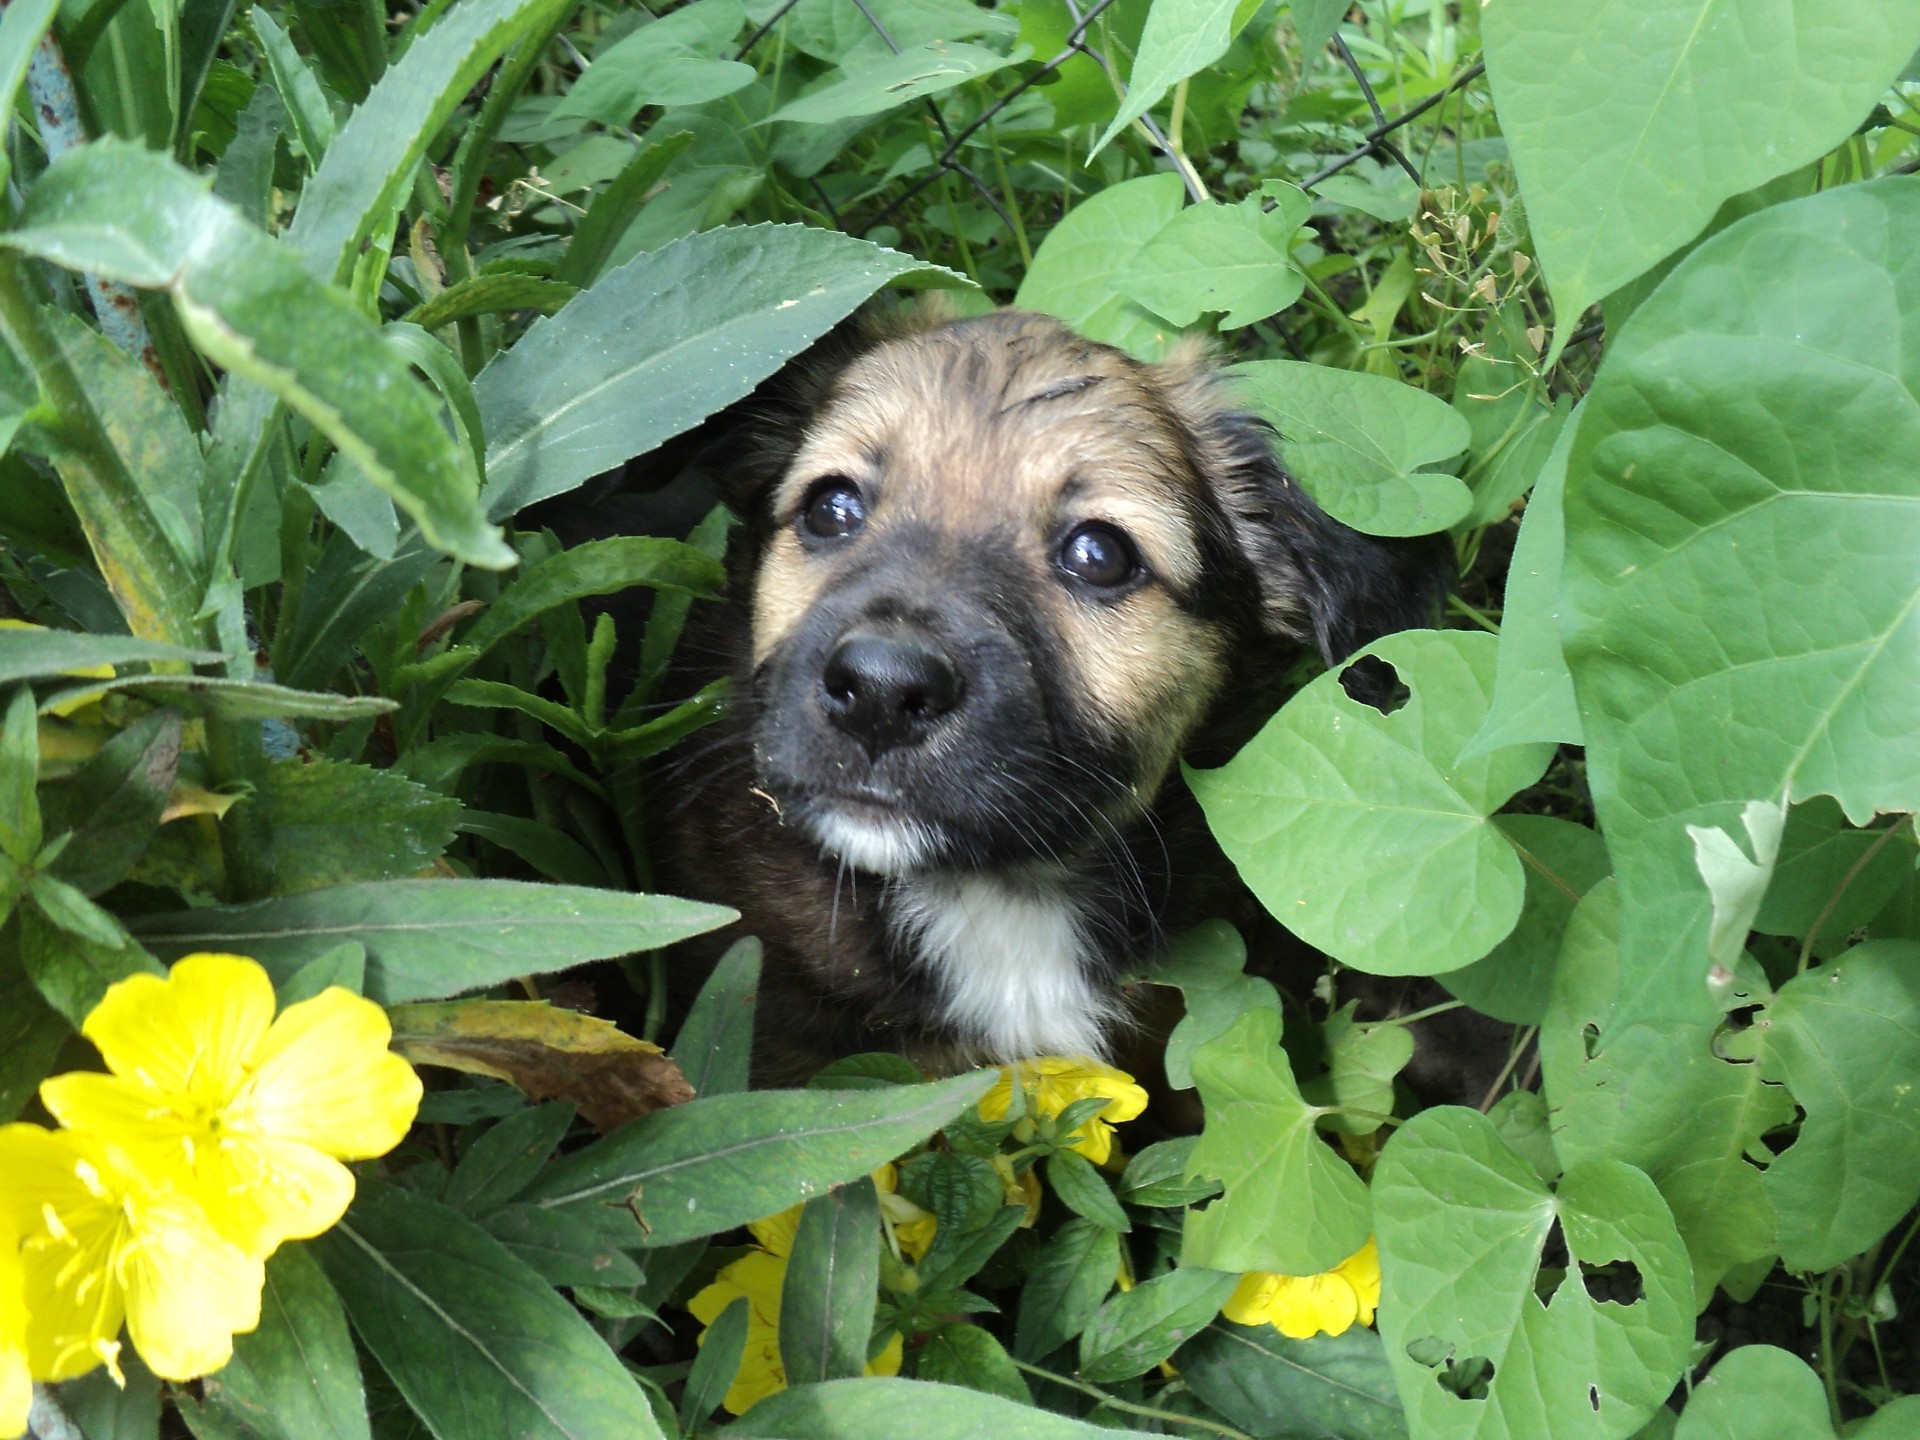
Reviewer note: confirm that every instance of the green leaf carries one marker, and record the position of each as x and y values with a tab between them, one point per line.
548	849
1362	1061
1532	689
883	84
583	1248
1069	1280
430	938
1360	444
1563	861
966	1355
1181	38
1830	874
1845	1039
1564	1365
597	567
715	1365
216	695
613	208
296	1377
832	1284
1630	123
20	828
246	303
1138	1328
21	27
31	1033
74	913
489	295
668	61
1334	1386
1207	964
1726	505
1758	1392
464	1328
1292	1205
494	695
1083	1190
1213	258
1696	1115
357	189
1366	834
113	803
104	1409
344	597
72	972
1078	265
335	824
715	1043
313	123
1157	1176
712	1164
42	654
505	1160
662	342
865	1409
344	965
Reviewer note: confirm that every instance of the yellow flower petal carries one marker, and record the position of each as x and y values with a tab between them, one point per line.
776	1233
188	1291
327	1079
1054	1082
260	1191
124	1112
194	1033
1301	1306
16	1384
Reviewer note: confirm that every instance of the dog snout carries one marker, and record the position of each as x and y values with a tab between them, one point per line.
888	689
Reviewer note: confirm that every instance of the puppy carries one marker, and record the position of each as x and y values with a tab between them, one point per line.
993	580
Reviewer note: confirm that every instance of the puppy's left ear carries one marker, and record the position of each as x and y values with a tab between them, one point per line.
1319	580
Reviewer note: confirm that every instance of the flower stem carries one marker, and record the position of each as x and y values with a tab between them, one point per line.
1172	1417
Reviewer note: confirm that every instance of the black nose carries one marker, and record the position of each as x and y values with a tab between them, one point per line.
888	690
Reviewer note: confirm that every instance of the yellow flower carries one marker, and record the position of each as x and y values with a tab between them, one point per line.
248	1114
16	1384
104	1243
1055	1082
759	1276
1301	1306
79	702
912	1227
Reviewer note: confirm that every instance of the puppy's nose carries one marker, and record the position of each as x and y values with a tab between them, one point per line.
888	690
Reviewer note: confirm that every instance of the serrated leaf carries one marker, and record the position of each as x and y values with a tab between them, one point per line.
1292	1206
1366	834
1334	1387
1564	1365
882	84
246	303
296	1377
335	824
1629	123
597	567
1231	260
712	1164
42	654
1074	271
832	1283
1065	1287
1138	1328
546	1053
430	938
662	342
489	295
1362	445
463	1327
1726	505
216	695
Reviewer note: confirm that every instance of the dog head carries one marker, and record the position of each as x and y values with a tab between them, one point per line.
1001	575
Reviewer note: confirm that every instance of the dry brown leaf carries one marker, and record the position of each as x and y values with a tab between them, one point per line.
547	1053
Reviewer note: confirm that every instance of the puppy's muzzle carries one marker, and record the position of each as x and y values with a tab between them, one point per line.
888	688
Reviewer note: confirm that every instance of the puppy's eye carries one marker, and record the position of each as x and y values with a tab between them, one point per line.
834	510
1100	555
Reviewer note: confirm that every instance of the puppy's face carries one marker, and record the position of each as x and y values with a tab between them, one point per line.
998	585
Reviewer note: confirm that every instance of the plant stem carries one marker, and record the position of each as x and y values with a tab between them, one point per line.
1212	1427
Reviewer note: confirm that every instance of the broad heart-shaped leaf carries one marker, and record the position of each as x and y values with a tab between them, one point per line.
48	654
1462	1222
1138	1328
662	342
1845	1039
430	938
1211	258
875	85
670	61
1759	1392
296	1377
1631	120
464	1328
870	1408
710	1165
1292	1205
1208	964
1749	438
1077	267
372	159
335	824
1532	688
1181	38
1363	833
127	213
1334	1386
1515	979
1359	442
1691	1117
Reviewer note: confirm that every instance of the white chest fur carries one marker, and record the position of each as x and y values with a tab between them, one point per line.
1010	958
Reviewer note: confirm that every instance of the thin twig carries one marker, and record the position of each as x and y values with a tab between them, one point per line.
1373	103
1380	131
779	14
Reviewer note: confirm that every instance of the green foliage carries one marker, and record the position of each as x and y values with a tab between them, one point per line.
338	291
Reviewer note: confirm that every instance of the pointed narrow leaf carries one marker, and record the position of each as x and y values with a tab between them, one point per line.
1333	1386
869	1408
296	1377
715	1042
1181	38
833	1280
39	654
1138	1328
